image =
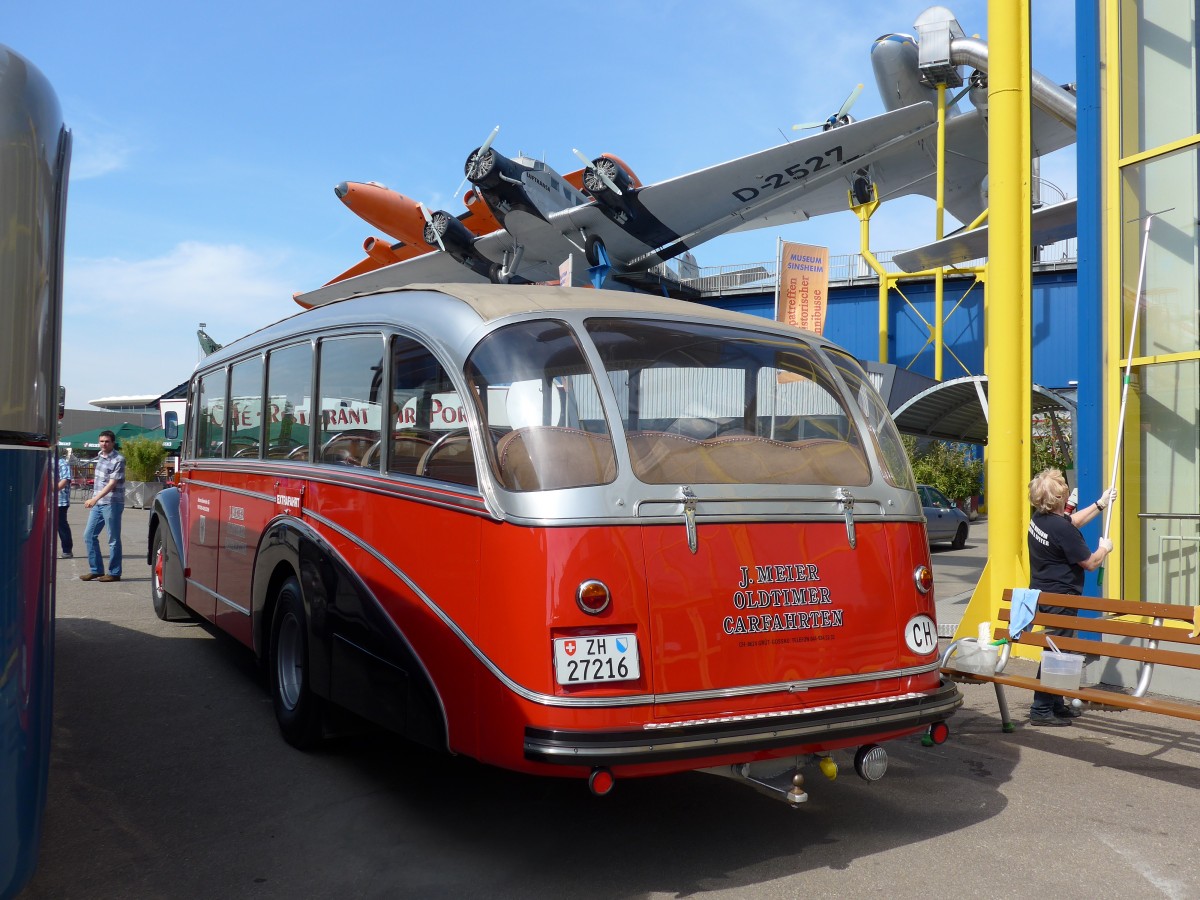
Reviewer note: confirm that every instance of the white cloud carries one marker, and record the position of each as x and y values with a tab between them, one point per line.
96	152
130	325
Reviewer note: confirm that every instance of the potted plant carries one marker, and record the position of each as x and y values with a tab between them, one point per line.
143	458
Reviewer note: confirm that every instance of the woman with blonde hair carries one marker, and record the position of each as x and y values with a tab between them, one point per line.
1058	559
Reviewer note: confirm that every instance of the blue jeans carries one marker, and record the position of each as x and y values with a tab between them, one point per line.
64	530
106	516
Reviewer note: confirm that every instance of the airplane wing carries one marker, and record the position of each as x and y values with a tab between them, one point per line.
1047	225
910	169
432	267
686	210
379	254
907	168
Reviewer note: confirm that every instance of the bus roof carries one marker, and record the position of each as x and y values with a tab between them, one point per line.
487	302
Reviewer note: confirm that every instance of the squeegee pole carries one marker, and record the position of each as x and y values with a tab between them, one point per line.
1137	307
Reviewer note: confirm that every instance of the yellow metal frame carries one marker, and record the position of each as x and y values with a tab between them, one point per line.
1123	568
891	280
1007	348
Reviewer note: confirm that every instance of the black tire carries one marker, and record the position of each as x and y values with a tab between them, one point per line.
960	537
592	248
297	709
862	190
166	607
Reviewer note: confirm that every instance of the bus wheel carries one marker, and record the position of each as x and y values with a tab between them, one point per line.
166	607
297	709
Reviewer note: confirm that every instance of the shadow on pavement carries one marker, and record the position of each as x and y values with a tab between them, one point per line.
169	779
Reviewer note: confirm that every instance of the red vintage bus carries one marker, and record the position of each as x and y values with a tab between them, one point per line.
567	532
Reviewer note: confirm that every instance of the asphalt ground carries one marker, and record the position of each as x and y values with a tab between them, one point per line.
955	574
169	779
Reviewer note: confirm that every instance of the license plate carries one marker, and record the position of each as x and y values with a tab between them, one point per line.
595	658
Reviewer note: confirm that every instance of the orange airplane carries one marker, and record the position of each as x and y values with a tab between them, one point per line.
404	219
401	218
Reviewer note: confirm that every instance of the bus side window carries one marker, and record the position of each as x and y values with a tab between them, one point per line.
245	409
289	384
209	412
348	385
428	422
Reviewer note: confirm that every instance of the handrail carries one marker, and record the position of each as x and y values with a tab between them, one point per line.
845	268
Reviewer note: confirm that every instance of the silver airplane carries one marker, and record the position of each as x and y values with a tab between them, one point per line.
609	221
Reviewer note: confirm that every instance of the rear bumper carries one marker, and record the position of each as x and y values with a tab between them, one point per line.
738	734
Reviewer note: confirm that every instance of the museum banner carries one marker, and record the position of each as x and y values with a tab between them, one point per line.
803	285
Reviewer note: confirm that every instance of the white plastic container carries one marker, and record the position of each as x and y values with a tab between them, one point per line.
1061	670
975	658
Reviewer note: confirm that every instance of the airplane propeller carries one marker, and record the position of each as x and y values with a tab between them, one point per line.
841	117
476	158
430	229
600	173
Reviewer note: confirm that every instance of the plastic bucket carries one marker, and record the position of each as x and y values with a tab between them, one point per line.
975	658
1061	670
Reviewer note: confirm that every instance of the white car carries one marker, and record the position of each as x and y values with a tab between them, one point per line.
943	520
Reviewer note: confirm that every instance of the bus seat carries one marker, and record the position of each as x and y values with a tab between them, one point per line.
407	450
546	458
660	458
454	461
348	447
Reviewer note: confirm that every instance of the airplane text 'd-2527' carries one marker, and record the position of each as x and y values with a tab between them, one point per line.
602	214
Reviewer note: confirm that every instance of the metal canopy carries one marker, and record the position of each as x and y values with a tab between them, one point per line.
956	410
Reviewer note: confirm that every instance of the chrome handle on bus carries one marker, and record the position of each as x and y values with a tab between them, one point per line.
689	516
846	500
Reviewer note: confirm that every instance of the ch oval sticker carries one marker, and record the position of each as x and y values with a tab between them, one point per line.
921	635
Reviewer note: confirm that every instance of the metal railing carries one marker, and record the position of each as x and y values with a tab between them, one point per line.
849	268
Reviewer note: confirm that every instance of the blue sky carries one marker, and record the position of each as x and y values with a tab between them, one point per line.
208	137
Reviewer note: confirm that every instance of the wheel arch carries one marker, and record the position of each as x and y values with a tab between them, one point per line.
359	657
165	515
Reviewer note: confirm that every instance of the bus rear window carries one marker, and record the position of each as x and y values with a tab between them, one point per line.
703	404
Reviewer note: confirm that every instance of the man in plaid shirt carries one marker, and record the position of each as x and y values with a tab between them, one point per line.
64	503
106	503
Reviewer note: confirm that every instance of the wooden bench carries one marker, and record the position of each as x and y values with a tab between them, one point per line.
1130	638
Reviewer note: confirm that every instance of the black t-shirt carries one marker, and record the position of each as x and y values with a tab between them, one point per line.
1056	548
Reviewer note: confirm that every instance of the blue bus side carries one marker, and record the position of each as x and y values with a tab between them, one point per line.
26	654
34	158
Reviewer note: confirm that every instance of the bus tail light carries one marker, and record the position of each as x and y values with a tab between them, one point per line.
923	578
593	597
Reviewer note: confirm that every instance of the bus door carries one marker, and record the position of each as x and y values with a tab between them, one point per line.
242	515
241	522
204	494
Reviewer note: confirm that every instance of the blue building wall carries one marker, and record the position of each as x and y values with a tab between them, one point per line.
853	316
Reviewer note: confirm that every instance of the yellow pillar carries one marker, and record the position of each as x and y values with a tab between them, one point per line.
1006	320
865	211
939	292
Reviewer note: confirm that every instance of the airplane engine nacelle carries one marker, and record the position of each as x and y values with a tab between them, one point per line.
489	169
456	237
381	251
595	185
